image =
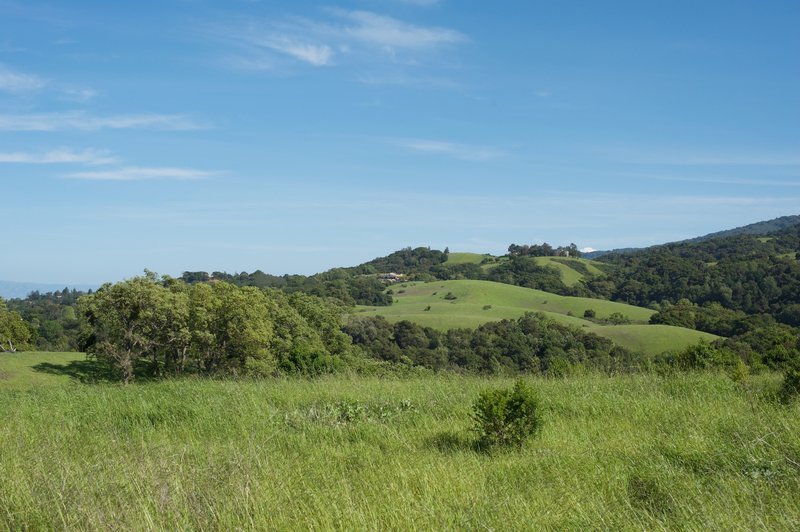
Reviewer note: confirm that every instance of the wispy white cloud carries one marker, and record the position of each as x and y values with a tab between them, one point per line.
356	35
313	54
60	156
139	173
78	120
78	94
464	152
18	82
380	30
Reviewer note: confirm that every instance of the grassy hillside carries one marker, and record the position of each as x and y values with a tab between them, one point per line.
572	270
507	302
466	258
630	452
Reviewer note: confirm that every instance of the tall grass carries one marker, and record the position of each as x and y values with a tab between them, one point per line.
627	452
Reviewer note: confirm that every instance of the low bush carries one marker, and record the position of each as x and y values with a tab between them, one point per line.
790	389
506	418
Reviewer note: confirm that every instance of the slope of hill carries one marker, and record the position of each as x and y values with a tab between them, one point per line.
571	270
758	228
453	304
741	272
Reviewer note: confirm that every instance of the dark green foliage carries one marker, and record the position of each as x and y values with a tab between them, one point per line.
15	334
530	344
407	261
523	271
52	319
166	327
342	284
450	296
617	318
740	273
589	314
544	250
703	356
506	418
790	388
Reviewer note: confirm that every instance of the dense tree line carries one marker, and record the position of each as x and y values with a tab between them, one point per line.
52	317
15	333
343	284
168	327
759	339
407	260
361	285
358	285
755	275
543	250
532	343
523	271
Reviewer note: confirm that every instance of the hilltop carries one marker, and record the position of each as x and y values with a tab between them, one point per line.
757	229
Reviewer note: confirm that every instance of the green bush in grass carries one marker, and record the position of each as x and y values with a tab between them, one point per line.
790	389
506	418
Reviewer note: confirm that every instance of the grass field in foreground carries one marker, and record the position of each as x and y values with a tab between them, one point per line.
629	452
510	302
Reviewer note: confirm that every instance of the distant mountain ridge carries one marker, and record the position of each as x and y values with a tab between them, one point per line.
13	290
757	228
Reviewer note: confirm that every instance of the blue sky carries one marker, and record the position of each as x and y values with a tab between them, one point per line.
298	136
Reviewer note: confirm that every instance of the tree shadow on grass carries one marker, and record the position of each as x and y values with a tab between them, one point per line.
85	371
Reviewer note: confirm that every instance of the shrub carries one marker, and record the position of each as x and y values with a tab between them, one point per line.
487	307
506	417
589	313
426	309
618	318
450	295
790	389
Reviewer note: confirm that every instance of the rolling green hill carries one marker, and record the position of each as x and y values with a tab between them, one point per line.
572	270
469	309
467	258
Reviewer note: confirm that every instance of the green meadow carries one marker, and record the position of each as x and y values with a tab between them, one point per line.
469	309
636	452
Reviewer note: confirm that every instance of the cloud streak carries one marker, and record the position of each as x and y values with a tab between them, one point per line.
313	54
80	121
60	156
374	29
464	152
17	82
356	35
139	173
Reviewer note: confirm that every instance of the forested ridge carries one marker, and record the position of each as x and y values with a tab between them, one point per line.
743	287
752	274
